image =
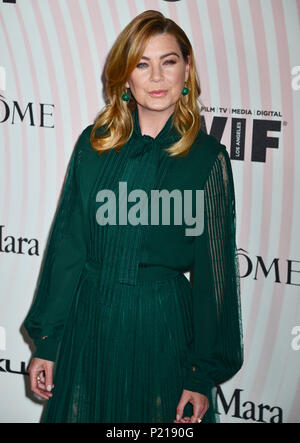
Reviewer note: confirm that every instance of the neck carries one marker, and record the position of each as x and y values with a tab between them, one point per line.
152	122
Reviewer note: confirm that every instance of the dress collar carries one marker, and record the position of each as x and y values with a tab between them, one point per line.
168	133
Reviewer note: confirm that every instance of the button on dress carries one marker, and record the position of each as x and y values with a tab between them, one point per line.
114	306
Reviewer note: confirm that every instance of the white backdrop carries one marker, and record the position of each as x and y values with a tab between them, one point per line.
247	51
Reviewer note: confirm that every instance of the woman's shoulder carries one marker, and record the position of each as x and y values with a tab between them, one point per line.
203	154
207	145
88	160
83	144
84	137
86	155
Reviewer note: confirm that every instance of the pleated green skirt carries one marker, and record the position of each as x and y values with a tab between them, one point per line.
122	362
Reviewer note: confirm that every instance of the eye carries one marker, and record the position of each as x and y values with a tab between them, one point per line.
141	65
170	62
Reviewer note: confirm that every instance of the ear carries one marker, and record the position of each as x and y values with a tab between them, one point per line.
127	85
187	69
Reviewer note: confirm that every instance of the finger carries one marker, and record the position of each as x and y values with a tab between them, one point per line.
180	408
41	379
196	413
184	420
41	395
48	378
44	387
41	386
42	376
34	384
40	392
204	409
179	415
33	374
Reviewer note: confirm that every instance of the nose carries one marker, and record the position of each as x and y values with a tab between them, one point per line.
156	73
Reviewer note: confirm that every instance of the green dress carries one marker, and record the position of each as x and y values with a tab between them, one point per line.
113	307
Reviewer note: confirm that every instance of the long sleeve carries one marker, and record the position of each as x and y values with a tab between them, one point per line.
216	353
63	261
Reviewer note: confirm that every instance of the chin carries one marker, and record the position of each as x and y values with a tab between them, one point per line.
158	106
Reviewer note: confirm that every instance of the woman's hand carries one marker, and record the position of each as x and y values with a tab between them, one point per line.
41	377
200	406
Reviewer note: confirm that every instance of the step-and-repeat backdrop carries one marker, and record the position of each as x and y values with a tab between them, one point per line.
51	65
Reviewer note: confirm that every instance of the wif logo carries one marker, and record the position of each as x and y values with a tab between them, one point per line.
2	79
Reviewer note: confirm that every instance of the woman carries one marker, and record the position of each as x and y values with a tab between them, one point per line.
133	339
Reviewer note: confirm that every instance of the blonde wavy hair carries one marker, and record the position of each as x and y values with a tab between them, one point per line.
116	117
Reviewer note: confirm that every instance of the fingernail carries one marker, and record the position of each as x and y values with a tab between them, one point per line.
177	417
49	388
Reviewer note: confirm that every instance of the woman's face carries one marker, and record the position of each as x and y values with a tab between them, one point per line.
157	80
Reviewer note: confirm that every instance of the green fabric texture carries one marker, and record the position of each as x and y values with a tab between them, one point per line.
113	308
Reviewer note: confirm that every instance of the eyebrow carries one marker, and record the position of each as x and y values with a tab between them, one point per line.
162	56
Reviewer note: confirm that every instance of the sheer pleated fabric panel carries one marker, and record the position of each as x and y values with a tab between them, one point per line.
221	229
216	352
64	259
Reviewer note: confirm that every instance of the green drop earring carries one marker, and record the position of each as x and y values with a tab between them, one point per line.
125	97
185	91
